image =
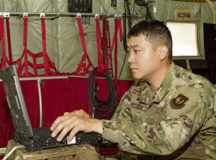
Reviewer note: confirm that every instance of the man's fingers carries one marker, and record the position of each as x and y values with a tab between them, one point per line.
72	134
84	114
55	123
57	129
63	133
80	112
66	113
64	126
60	123
70	125
70	122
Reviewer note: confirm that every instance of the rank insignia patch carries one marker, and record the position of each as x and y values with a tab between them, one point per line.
178	102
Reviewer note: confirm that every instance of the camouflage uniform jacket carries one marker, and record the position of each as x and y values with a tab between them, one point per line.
175	121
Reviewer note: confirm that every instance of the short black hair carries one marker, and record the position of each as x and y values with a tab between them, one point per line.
155	32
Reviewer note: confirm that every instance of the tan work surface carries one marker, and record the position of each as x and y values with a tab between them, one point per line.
73	152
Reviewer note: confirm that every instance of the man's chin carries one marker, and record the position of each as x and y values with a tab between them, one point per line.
137	77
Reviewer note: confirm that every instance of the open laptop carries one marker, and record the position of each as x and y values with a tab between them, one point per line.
33	138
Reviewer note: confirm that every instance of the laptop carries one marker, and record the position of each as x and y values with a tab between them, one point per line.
34	138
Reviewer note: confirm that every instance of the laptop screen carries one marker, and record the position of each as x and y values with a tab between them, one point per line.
16	101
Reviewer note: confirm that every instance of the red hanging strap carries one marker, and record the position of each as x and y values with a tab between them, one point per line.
25	51
25	29
4	58
47	64
82	69
45	56
105	46
98	33
7	16
24	54
23	62
118	26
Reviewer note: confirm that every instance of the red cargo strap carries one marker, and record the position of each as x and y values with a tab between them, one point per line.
4	58
25	51
47	64
98	32
118	26
9	38
82	69
23	65
105	46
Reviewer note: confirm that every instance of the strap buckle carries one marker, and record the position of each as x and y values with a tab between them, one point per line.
25	14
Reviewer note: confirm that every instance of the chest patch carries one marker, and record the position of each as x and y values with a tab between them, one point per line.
178	102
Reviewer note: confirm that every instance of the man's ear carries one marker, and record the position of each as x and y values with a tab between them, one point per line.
163	52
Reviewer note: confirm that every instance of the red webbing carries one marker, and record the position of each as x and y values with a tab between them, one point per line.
118	26
45	57
47	64
49	67
82	69
25	52
115	42
98	33
4	58
105	46
9	40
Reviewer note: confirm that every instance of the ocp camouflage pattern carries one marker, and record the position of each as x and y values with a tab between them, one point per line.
175	121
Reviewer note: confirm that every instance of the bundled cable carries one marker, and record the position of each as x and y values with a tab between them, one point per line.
100	107
103	108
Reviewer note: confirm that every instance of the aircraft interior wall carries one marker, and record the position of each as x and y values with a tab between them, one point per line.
62	33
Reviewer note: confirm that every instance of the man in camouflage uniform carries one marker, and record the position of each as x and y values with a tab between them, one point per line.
169	113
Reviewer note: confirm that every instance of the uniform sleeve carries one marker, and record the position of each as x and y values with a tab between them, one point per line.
140	133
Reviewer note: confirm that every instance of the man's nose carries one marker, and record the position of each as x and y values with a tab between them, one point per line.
130	57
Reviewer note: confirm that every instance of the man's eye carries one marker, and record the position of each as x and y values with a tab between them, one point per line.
137	51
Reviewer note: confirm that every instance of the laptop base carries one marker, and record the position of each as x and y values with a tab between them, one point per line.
38	143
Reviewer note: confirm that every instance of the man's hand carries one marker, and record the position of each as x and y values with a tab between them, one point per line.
78	113
74	122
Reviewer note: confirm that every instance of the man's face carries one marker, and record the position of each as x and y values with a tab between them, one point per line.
143	59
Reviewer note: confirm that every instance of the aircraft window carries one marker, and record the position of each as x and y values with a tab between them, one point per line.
185	40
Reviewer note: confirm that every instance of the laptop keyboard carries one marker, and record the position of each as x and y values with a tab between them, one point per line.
42	132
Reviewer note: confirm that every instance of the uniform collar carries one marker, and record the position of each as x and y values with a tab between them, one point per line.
149	95
166	84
